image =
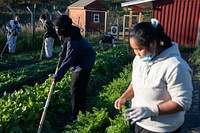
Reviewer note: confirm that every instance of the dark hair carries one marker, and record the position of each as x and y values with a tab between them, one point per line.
145	34
42	16
63	21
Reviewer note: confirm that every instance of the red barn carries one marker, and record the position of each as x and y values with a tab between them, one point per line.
89	15
180	18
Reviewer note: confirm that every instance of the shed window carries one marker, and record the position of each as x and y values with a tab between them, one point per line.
96	18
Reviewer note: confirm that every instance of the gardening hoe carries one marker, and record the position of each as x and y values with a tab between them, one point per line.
48	99
42	50
45	108
5	46
49	96
4	49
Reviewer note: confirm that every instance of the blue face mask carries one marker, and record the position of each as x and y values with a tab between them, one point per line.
148	58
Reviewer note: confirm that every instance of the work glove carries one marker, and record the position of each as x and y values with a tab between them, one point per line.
138	113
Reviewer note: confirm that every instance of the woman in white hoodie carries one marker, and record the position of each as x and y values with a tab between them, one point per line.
161	86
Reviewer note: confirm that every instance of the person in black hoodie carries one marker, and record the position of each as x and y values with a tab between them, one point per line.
78	56
107	38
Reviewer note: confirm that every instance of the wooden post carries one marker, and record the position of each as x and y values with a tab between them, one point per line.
140	19
118	20
106	22
130	22
140	10
84	24
124	26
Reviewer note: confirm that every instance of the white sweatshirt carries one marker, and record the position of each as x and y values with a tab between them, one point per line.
167	77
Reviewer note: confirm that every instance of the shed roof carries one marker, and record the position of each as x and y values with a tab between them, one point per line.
82	3
89	4
140	3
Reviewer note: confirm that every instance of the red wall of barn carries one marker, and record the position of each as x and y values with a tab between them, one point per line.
180	19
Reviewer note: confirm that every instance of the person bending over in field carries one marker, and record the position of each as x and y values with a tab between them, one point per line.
78	56
107	38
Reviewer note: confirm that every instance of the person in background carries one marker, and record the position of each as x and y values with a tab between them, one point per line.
49	36
107	38
161	86
13	28
78	56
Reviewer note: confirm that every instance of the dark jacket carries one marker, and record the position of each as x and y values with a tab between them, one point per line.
107	38
49	29
78	55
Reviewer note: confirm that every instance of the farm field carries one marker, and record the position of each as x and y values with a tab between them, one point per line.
15	70
24	89
25	82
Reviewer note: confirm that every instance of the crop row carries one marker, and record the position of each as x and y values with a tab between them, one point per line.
18	60
28	74
21	110
20	76
103	117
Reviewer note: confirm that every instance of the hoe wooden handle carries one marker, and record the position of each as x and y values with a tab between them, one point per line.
45	108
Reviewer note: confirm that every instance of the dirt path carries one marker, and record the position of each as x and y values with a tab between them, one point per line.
192	117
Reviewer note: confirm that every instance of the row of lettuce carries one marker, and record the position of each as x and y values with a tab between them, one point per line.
103	117
21	110
20	76
15	70
31	57
26	69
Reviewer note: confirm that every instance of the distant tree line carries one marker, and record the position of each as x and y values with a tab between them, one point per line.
23	1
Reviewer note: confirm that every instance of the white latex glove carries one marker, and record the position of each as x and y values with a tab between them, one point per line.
138	113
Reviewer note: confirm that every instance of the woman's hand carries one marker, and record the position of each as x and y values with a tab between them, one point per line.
119	103
128	94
